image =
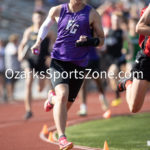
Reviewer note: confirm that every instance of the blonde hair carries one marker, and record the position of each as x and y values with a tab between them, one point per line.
118	14
13	38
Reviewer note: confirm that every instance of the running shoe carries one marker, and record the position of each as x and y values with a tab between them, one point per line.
83	110
28	115
64	144
47	105
107	114
122	84
116	102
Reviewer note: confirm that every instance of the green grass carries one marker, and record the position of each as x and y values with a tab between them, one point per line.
121	133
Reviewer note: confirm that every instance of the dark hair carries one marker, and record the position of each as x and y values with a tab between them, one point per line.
40	12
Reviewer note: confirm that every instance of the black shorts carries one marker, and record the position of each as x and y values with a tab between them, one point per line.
39	67
73	80
120	61
141	66
94	65
117	61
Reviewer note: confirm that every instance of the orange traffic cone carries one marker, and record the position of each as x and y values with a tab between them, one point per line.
106	146
45	130
50	137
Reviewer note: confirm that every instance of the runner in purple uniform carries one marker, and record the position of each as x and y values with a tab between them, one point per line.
69	56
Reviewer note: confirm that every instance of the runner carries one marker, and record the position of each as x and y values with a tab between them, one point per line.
32	62
115	57
2	70
137	87
75	21
134	37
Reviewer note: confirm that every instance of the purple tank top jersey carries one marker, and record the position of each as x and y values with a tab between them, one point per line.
93	55
70	27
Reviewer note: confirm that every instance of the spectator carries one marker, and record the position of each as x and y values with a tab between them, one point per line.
53	2
114	44
2	70
38	5
134	37
11	64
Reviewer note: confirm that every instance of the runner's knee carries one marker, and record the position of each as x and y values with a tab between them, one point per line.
62	97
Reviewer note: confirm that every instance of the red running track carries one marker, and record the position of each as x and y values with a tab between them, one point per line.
16	134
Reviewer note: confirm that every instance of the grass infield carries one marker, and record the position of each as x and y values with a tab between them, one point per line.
121	133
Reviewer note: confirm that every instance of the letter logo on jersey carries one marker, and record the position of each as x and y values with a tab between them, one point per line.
72	26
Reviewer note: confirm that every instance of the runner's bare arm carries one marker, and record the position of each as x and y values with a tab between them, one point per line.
95	22
23	42
143	26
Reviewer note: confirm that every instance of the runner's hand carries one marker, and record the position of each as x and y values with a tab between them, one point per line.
35	49
82	38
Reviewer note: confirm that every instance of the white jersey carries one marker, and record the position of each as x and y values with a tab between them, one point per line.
11	61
